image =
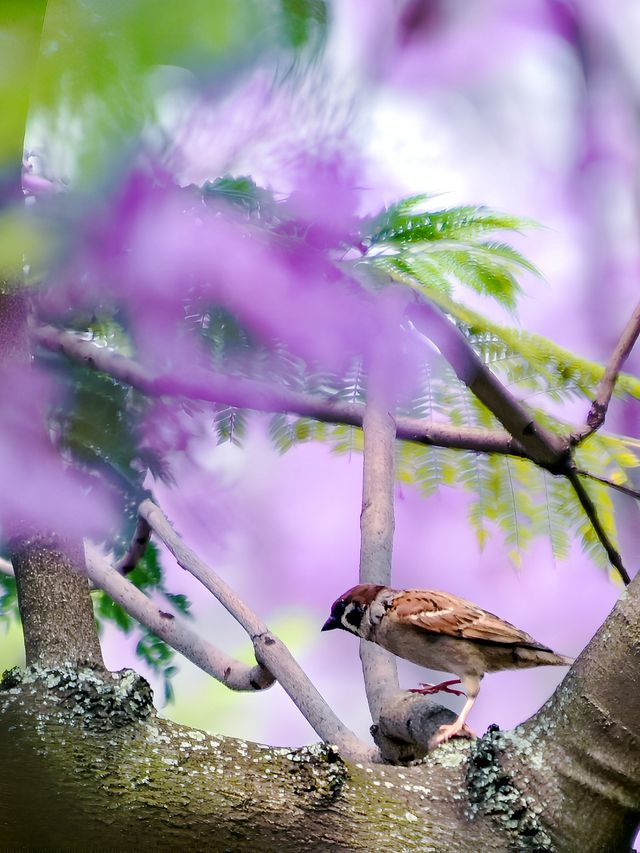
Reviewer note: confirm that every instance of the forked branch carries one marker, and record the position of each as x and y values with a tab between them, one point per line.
600	405
523	436
543	447
173	629
270	650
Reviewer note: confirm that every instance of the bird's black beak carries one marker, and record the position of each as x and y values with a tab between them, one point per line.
331	624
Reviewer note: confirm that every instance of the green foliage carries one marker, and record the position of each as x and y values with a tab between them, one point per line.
148	577
531	362
303	19
434	249
434	253
242	193
8	599
158	656
231	424
431	252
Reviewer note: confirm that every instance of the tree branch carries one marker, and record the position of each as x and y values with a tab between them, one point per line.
592	514
525	438
541	445
270	651
136	549
521	790
377	524
586	740
626	490
173	629
600	405
6	568
260	396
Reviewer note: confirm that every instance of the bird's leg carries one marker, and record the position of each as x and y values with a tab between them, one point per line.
458	728
442	687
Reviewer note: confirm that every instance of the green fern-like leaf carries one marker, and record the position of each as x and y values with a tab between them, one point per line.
436	248
555	364
406	222
231	425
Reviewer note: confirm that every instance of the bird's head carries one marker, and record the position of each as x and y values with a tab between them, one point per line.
348	612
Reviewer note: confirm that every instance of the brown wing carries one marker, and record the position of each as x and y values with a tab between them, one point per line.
443	613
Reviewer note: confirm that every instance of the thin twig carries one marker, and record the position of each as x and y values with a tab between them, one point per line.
269	649
600	405
136	549
172	628
377	523
626	490
592	514
260	396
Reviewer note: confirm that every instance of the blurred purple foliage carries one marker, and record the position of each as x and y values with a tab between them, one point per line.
40	491
528	107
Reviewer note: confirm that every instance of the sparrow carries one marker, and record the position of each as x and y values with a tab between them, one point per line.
442	632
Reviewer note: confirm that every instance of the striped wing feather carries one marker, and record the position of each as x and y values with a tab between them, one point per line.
442	613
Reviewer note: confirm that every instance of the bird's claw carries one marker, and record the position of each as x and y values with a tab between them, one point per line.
446	733
442	687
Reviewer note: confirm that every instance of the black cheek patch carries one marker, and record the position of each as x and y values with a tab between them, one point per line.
354	616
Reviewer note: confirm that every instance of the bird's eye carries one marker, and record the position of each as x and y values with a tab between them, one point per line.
338	609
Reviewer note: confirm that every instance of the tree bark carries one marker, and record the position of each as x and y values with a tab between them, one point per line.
86	764
72	778
54	602
377	525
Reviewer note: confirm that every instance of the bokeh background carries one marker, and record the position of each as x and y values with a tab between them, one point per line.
528	107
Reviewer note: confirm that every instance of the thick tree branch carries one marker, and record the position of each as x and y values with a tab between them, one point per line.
600	405
72	780
260	396
377	524
586	742
270	651
75	771
54	601
542	446
172	628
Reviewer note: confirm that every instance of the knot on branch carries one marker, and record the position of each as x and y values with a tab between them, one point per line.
560	464
406	725
492	791
99	700
596	416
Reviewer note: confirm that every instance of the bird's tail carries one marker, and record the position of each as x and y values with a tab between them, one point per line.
532	656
